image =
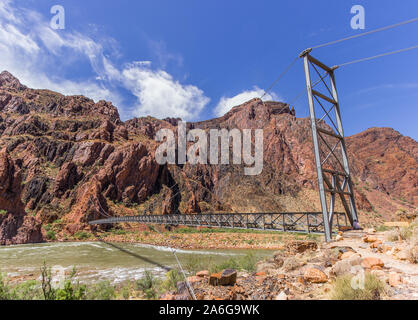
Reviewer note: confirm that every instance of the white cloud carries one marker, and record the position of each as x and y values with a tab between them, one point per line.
40	56
159	95
226	104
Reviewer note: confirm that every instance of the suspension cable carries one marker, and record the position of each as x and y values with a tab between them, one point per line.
378	56
366	33
173	251
279	78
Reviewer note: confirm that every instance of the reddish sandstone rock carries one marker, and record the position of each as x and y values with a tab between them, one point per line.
347	255
370	262
203	273
394	279
227	277
67	178
300	246
194	279
314	275
15	226
370	239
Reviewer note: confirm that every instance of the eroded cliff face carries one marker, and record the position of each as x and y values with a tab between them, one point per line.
78	161
16	227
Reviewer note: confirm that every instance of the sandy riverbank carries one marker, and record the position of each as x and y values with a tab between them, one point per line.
193	239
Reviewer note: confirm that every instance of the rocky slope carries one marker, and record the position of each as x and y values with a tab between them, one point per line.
307	270
79	161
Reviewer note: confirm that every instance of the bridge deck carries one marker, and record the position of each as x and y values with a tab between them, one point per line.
309	222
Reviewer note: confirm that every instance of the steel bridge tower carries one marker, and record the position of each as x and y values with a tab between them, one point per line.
329	144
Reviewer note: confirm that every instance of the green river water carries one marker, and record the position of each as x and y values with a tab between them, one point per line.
100	261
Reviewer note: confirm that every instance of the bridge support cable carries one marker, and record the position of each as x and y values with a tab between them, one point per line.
173	251
378	56
329	146
367	33
189	286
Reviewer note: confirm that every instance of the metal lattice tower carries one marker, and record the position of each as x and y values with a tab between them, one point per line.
329	145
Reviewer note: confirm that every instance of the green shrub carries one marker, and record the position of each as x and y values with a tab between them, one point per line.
101	291
81	235
172	277
3	212
50	235
48	291
28	290
118	231
71	291
125	292
343	290
148	285
5	293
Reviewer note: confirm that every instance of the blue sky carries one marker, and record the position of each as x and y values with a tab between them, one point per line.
193	59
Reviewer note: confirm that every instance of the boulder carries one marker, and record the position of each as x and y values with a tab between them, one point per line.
346	266
278	259
228	277
371	262
203	273
291	263
194	279
347	255
403	254
339	238
265	266
314	275
370	239
394	279
300	246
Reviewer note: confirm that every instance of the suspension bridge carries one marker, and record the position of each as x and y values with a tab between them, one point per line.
329	148
306	222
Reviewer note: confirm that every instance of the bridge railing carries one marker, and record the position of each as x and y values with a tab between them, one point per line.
310	222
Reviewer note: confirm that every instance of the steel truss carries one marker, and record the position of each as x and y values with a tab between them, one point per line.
329	145
306	222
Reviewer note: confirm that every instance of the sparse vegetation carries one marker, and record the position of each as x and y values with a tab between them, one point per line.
81	235
50	235
172	277
246	263
119	231
343	289
148	285
405	233
101	291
